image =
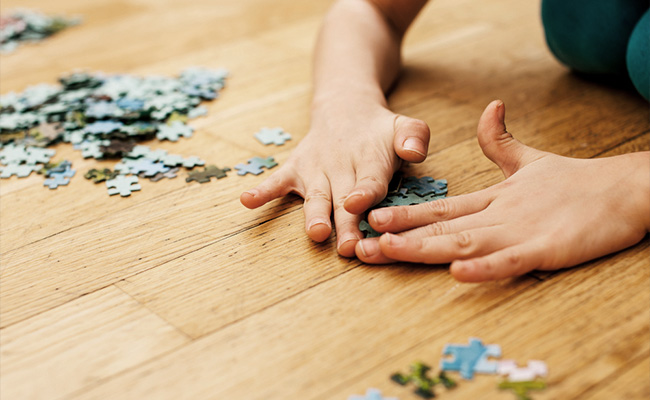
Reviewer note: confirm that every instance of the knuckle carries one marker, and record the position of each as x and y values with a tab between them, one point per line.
463	240
436	229
440	209
513	258
317	194
338	202
375	181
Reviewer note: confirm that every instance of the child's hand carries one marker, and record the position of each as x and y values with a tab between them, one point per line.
551	212
344	164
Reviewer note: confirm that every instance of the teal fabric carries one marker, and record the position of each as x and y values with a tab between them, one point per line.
638	56
594	37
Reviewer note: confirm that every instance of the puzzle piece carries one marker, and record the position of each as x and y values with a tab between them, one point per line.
123	185
425	185
371	394
367	230
144	166
50	168
521	389
100	175
144	151
171	174
424	385
471	358
255	165
514	373
21	171
14	154
208	172
93	149
174	131
192	161
272	135
57	179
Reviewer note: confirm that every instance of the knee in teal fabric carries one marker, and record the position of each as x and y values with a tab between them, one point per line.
638	56
591	36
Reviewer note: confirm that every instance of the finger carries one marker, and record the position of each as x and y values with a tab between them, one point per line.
445	248
452	226
370	188
411	140
398	219
498	144
347	224
368	251
318	208
277	185
505	263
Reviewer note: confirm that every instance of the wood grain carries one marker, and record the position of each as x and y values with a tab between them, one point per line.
180	292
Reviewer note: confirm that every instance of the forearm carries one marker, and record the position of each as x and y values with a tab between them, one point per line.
357	54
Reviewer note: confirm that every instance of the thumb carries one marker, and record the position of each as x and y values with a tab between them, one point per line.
411	140
497	143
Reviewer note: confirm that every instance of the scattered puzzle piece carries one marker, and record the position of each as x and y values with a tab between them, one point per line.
521	389
471	358
174	131
57	179
272	135
424	385
101	175
211	171
21	171
50	168
255	165
371	394
171	174
535	369
123	185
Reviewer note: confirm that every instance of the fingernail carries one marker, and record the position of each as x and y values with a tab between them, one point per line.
414	145
354	194
317	221
252	192
394	240
347	238
380	216
368	247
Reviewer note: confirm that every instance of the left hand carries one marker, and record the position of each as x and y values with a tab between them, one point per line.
551	212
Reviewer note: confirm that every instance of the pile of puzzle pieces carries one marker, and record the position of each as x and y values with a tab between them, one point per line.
406	191
468	359
29	26
105	116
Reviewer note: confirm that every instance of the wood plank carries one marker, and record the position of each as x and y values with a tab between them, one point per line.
375	320
80	344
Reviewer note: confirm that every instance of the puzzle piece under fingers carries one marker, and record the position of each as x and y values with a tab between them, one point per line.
272	135
513	373
123	185
425	185
255	166
471	358
371	394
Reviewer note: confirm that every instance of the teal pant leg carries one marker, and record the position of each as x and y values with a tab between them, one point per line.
638	56
591	36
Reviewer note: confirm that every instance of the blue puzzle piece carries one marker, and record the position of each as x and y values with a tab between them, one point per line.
371	394
471	358
57	179
255	165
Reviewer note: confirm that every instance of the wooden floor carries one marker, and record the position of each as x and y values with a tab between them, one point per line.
179	292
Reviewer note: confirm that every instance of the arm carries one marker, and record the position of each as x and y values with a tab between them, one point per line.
354	143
